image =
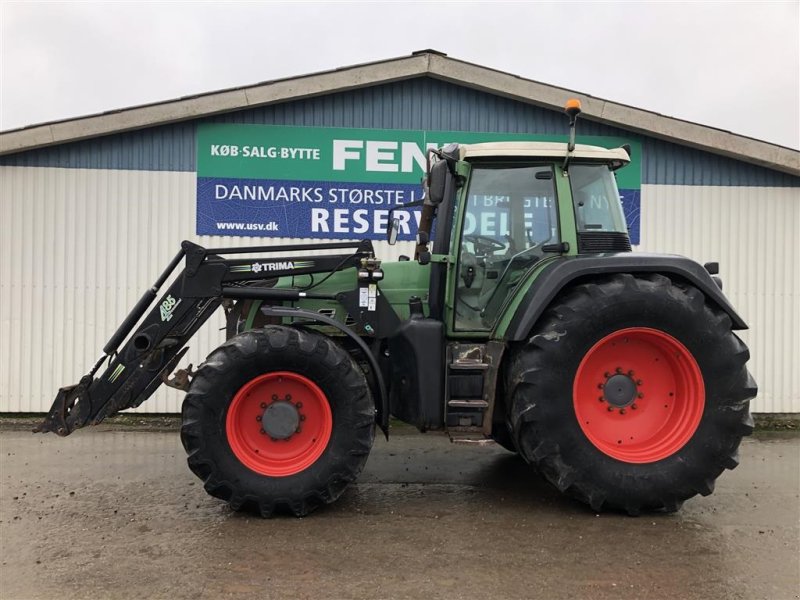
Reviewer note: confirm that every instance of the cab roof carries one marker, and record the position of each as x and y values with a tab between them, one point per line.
547	150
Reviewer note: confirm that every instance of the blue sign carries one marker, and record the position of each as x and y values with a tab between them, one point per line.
304	209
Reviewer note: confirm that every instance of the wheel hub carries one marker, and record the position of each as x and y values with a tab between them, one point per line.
279	423
280	420
638	395
619	391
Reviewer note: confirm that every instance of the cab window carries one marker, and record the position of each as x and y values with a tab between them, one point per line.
510	215
596	199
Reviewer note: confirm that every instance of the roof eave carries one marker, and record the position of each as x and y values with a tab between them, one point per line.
425	63
640	121
183	109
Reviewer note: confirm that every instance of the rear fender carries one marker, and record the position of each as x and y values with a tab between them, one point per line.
569	270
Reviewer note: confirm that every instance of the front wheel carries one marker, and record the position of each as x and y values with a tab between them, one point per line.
632	393
278	419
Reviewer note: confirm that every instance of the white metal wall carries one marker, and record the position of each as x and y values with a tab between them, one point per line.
77	249
79	246
753	233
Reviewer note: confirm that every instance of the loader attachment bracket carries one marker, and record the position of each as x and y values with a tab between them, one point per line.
62	416
182	378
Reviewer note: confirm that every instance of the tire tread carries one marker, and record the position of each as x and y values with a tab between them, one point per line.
539	434
294	348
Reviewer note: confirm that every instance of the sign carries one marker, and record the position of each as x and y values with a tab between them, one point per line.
331	183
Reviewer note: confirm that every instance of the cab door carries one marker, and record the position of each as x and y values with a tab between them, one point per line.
507	214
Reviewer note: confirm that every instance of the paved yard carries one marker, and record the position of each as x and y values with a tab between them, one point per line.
117	514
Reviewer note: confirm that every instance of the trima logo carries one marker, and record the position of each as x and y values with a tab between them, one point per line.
286	265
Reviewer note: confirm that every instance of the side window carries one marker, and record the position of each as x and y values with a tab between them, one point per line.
510	214
596	198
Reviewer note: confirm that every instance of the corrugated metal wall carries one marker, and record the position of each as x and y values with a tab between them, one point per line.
419	103
80	245
752	232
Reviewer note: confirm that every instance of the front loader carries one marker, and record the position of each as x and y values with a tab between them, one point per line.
525	319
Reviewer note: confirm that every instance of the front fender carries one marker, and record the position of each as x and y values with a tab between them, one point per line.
382	409
568	270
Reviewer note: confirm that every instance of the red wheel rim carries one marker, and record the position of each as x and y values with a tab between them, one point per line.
668	395
248	424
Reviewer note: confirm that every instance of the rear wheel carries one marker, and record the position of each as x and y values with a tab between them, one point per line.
278	419
502	435
632	393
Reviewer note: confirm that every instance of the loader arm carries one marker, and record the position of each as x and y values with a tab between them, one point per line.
154	349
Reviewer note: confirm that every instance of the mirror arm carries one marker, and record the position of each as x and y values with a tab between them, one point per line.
425	224
390	218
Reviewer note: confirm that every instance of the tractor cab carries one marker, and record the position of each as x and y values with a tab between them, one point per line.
501	210
510	218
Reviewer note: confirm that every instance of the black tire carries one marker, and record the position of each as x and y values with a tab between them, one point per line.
542	411
244	358
501	433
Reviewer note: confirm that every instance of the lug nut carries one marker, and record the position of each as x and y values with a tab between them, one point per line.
639	382
630	373
619	370
274	397
633	406
622	411
600	398
263	405
606	374
640	395
258	418
299	405
610	409
302	417
599	386
288	397
261	431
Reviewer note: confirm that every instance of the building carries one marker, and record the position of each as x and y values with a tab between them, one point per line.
92	208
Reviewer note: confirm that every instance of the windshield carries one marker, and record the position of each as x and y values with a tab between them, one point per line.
510	214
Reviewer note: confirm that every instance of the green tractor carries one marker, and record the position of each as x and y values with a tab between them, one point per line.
523	318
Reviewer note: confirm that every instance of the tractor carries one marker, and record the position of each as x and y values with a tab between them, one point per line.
523	318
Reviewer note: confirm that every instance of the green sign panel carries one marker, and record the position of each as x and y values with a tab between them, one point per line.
275	181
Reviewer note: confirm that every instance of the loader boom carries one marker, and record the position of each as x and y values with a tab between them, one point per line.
154	349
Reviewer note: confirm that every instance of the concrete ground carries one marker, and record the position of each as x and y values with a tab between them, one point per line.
117	514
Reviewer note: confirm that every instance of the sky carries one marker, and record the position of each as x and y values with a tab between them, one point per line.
731	65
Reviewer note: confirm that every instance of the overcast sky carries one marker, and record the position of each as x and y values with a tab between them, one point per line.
730	65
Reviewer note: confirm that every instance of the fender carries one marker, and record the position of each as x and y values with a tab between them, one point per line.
383	398
568	270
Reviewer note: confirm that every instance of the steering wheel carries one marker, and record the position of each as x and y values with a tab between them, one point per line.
484	244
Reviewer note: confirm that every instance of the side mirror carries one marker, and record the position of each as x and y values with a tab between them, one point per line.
391	231
437	180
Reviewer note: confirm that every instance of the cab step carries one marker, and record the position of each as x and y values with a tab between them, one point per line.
469	436
471	403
